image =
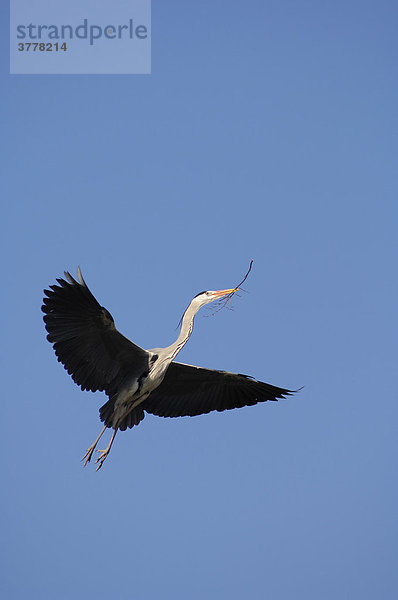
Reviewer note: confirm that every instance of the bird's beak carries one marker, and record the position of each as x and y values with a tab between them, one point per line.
221	293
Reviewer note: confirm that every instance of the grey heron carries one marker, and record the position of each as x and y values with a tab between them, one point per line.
138	381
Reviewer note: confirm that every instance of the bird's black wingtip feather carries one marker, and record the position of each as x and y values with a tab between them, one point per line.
286	393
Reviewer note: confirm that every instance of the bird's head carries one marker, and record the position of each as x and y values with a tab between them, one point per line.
211	295
206	297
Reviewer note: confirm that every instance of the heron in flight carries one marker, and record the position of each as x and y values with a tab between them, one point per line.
136	381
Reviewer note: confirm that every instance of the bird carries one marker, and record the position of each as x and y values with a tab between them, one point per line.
137	381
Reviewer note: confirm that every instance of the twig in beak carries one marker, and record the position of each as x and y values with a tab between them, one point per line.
224	301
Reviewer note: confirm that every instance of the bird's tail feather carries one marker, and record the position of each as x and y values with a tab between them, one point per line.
133	418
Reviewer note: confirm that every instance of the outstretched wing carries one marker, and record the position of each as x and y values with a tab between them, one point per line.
85	338
188	391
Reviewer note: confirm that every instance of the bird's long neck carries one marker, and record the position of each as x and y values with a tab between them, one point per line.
185	332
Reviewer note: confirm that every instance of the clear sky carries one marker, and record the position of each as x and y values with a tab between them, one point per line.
267	130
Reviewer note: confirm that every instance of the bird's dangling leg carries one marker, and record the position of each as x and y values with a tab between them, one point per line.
89	453
104	453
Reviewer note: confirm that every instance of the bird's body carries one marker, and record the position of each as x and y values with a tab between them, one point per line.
136	381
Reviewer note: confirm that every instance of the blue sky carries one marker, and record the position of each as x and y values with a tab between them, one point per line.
269	131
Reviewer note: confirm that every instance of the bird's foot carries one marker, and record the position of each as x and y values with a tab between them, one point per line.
87	457
102	456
